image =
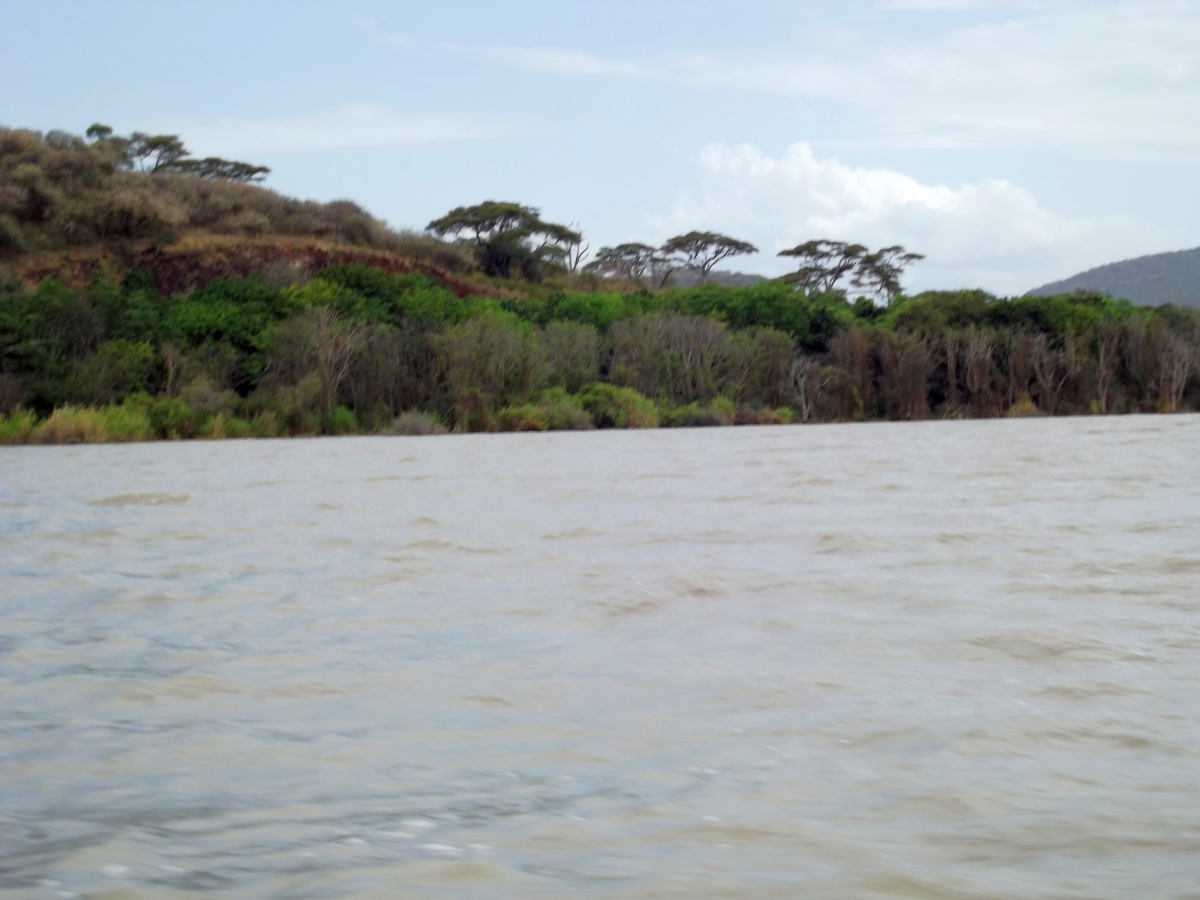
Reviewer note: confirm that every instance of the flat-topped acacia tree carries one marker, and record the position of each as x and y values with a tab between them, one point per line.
505	236
880	272
825	263
154	154
701	250
697	250
636	262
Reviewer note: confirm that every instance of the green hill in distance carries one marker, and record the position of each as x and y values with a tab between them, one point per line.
1146	281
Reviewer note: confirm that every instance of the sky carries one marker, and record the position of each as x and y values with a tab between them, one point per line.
1012	142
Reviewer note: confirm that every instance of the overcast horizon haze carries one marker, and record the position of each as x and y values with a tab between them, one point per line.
1012	143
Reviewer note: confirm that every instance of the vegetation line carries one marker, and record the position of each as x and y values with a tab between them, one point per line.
143	297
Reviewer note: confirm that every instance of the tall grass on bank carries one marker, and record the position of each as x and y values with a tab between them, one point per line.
79	425
142	418
133	420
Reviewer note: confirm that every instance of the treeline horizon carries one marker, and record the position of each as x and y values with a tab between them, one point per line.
524	335
354	349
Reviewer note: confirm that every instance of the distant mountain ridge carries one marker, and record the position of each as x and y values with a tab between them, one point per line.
1145	281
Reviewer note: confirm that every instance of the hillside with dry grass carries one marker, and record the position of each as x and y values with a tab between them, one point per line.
70	207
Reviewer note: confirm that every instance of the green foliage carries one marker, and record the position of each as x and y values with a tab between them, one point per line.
934	312
618	407
555	410
695	415
382	297
597	310
17	427
170	417
343	421
567	355
136	312
810	320
488	364
521	418
112	423
237	312
357	349
117	369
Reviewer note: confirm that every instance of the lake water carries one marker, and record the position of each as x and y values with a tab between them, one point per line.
934	660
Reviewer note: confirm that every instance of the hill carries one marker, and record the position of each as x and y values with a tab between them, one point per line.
1146	281
69	206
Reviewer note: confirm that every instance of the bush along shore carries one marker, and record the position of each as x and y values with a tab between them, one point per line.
354	349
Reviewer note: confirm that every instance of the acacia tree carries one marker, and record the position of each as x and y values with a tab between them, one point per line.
215	167
562	246
701	250
166	153
155	152
825	263
880	272
632	261
506	236
654	266
574	249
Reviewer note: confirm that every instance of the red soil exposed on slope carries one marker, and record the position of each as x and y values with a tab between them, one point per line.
193	262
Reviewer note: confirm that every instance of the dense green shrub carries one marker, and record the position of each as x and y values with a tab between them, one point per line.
555	410
117	368
618	407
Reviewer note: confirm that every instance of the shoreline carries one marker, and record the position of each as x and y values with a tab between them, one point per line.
89	425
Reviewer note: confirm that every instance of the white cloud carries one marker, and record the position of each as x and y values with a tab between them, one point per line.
992	233
356	125
1118	78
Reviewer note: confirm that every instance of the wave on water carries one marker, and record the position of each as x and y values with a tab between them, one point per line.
144	500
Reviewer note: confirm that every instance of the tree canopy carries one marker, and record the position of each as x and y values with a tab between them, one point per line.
484	221
508	237
701	250
166	153
824	263
654	266
632	261
880	272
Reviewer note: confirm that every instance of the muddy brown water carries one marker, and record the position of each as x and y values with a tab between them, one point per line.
937	660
